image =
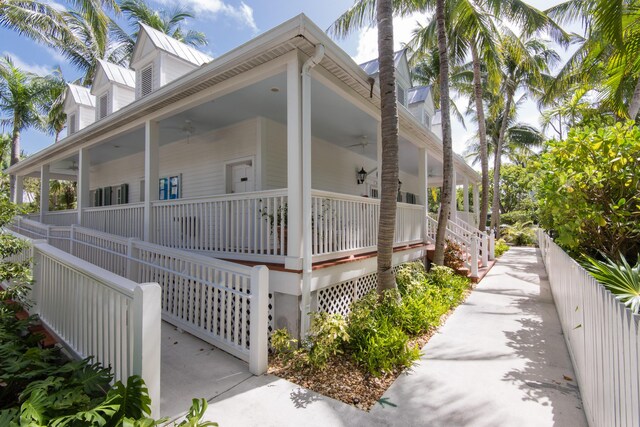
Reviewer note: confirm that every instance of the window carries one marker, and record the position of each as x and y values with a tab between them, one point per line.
427	120
103	106
72	124
146	81
169	188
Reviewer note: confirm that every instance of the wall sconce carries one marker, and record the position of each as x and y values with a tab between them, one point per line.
399	186
361	176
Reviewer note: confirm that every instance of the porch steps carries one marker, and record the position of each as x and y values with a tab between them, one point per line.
463	271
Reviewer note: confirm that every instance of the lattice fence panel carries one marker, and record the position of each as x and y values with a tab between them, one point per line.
339	297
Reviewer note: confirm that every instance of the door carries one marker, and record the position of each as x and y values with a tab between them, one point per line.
242	178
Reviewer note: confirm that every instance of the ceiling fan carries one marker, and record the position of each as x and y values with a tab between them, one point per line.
74	166
364	141
187	128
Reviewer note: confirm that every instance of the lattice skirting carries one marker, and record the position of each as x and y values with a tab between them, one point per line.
339	297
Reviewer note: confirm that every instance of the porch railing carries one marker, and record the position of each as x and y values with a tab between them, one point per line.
468	244
66	217
603	337
97	313
343	224
223	303
227	225
123	220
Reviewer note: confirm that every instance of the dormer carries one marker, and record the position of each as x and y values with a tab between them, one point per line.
159	59
114	88
80	107
403	75
420	103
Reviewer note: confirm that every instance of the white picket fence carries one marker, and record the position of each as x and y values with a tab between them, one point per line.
223	303
603	337
97	313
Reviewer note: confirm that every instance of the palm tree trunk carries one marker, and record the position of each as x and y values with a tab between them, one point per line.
634	106
495	209
447	148
15	158
482	134
389	134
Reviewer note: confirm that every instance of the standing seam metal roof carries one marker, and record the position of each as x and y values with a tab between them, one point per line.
174	47
118	74
81	95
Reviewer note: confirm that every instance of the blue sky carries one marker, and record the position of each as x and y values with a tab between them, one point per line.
227	24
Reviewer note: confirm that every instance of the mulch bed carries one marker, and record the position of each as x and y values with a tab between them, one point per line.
342	379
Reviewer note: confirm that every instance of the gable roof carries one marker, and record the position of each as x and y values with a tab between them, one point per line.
171	46
117	74
418	94
80	95
372	67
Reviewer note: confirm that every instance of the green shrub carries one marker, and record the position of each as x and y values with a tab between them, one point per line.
376	340
326	335
410	275
621	279
282	342
501	248
588	190
513	217
453	255
519	234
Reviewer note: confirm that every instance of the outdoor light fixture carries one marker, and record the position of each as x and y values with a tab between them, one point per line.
361	175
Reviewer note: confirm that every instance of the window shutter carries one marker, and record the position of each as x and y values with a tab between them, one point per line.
146	81
106	196
97	197
123	194
72	124
103	105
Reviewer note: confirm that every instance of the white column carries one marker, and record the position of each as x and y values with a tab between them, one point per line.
151	177
454	200
44	192
465	194
83	182
423	177
379	155
294	167
476	204
19	189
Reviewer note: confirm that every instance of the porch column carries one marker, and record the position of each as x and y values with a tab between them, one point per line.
19	189
379	155
465	194
423	177
83	182
44	192
293	258
151	160
476	204
454	199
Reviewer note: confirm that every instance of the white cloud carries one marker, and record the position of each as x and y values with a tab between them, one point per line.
41	70
402	33
242	13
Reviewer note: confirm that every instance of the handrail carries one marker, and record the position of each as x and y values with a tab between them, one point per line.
222	197
114	207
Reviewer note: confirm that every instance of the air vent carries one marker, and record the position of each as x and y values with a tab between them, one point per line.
72	124
103	105
146	81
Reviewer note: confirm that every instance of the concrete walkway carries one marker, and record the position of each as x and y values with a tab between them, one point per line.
500	360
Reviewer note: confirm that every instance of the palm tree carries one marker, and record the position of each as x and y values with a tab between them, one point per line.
389	132
55	118
606	59
167	22
524	65
83	35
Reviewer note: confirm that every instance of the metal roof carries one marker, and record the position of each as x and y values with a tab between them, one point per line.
372	67
81	95
118	74
418	94
174	47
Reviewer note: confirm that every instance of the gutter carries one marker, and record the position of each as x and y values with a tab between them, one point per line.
307	254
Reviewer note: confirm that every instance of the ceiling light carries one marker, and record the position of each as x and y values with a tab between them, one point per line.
275	89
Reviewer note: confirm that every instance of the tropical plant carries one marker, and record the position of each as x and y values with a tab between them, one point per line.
501	248
453	255
165	21
519	233
524	64
327	334
620	278
588	190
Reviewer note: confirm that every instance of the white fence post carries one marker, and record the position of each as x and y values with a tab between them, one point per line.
474	256
133	254
147	339
258	358
485	250
492	246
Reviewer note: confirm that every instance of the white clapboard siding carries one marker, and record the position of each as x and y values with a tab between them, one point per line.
603	337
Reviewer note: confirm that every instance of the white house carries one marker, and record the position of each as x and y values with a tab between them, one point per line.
266	155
